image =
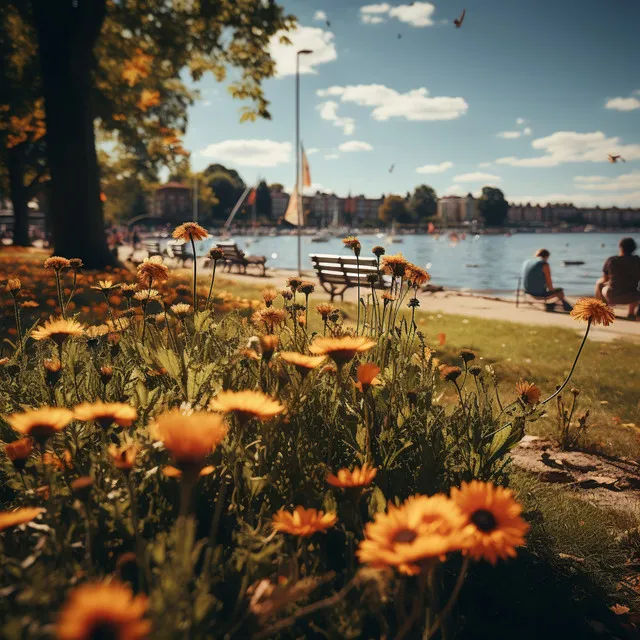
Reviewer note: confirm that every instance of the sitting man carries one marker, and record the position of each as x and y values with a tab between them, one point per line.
536	280
620	283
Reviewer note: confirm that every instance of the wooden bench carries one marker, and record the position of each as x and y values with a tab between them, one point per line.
180	252
152	247
339	273
234	256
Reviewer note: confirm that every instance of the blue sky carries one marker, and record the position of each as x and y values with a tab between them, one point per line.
527	96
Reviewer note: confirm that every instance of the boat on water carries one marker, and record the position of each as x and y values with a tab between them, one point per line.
572	263
590	229
322	236
393	238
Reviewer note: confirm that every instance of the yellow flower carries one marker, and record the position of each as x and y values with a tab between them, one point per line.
395	265
416	276
18	452
18	516
106	413
57	263
246	405
420	531
352	243
58	330
303	522
498	527
152	269
181	310
269	295
190	231
594	311
123	457
271	317
359	477
341	350
13	285
40	423
301	362
190	439
325	310
105	285
367	376
147	295
528	392
104	610
96	331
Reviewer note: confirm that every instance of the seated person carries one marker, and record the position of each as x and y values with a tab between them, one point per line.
620	283
536	280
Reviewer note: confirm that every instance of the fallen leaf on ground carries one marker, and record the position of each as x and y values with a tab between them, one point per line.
619	609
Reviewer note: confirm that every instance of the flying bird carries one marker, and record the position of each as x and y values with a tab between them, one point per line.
329	24
391	168
613	159
399	36
460	20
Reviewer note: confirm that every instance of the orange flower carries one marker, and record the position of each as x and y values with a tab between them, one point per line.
420	531
190	438
268	344
57	263
123	457
40	423
106	413
104	610
325	310
449	373
594	311
60	463
301	362
152	269
58	330
18	452
303	522
359	477
395	265
528	392
271	317
174	472
246	405
18	516
190	231
341	350
416	276
367	376
498	527
352	243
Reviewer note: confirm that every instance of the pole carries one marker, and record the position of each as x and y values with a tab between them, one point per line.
195	200
298	163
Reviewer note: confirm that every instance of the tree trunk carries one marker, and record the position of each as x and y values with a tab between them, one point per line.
19	198
67	32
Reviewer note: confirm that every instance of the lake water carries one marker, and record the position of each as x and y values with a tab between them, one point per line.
488	263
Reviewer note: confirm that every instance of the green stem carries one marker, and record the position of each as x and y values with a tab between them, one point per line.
195	275
452	600
213	277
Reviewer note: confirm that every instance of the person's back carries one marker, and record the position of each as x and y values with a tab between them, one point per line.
624	274
533	279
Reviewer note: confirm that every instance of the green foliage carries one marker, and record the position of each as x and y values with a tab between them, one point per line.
493	206
423	203
394	209
227	187
264	206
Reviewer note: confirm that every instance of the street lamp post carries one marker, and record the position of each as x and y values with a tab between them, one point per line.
302	52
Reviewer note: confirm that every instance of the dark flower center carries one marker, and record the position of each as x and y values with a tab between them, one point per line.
406	536
104	630
484	520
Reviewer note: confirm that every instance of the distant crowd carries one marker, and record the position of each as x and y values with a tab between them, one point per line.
619	284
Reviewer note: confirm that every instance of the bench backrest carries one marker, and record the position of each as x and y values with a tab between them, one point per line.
230	250
343	269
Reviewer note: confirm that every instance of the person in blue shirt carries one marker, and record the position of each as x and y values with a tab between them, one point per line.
536	281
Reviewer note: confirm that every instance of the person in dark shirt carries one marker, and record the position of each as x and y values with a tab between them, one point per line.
620	282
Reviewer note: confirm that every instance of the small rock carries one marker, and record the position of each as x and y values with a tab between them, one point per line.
555	476
584	467
599	482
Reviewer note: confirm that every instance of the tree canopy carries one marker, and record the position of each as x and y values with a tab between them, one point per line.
394	209
424	202
493	207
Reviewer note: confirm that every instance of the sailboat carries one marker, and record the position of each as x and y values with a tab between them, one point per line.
393	237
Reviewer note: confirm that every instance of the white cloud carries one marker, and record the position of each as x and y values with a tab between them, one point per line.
389	103
329	111
520	121
368	19
477	176
624	182
484	165
314	38
355	145
571	146
623	104
207	103
583	199
332	156
527	131
509	135
249	153
417	14
435	168
321	16
454	190
312	150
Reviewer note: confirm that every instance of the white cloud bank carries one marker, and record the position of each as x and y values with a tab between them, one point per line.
435	168
509	135
388	103
320	16
416	14
624	104
317	40
624	182
477	176
570	146
329	111
250	153
354	145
